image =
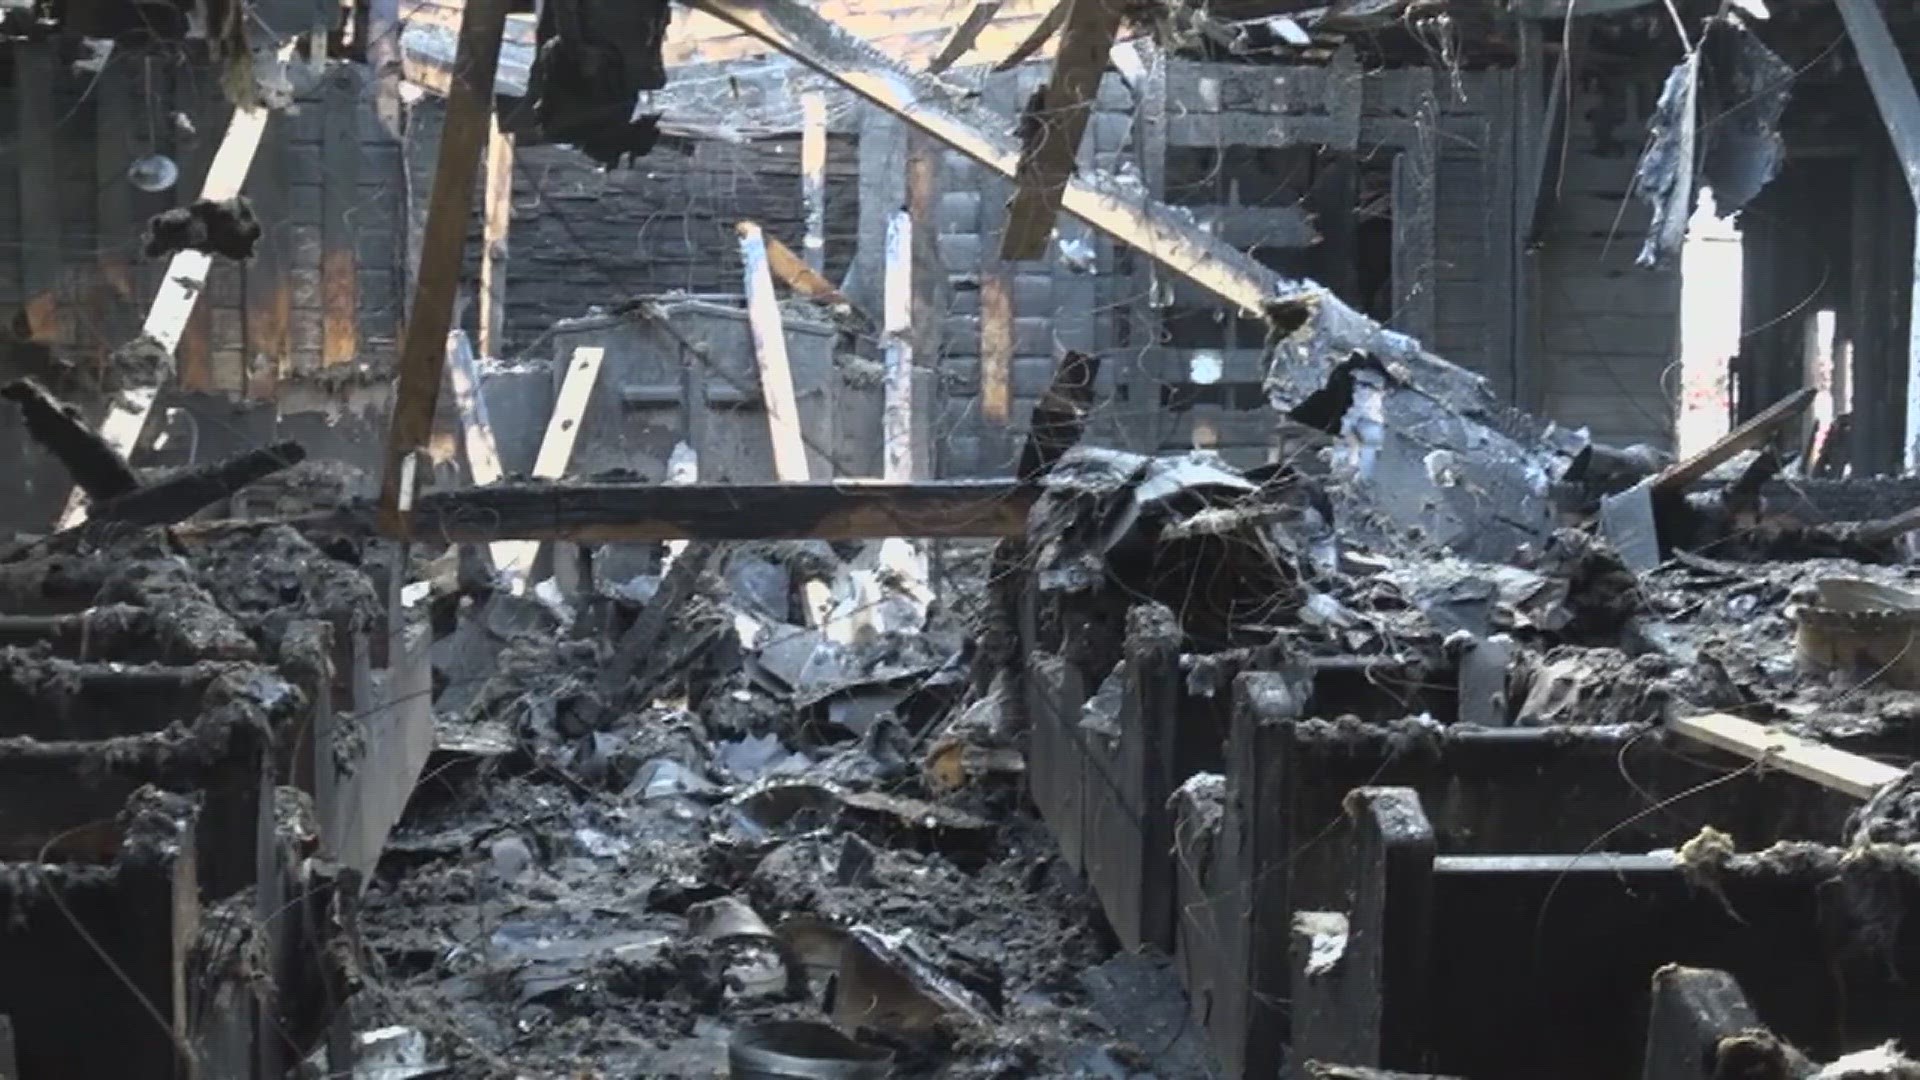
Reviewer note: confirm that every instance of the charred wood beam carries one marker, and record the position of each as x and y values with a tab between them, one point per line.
96	467
1700	1025
114	631
964	36
186	493
172	500
1681	475
1036	39
1060	416
463	140
1899	103
603	513
1054	123
636	654
52	585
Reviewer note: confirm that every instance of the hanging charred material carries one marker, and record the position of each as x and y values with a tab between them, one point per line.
593	59
214	227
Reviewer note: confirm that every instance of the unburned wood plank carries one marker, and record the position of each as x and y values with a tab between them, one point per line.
840	509
498	221
515	561
813	177
770	353
776	384
463	137
1054	123
1828	766
185	279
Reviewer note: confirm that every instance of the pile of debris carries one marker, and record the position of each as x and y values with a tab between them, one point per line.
770	824
774	782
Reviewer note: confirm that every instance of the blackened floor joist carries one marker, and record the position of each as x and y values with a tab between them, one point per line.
826	510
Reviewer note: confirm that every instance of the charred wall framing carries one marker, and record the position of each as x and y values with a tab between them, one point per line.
314	310
1374	182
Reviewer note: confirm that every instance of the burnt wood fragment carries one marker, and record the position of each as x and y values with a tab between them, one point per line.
96	467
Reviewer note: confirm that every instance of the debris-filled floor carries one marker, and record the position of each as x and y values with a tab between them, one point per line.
985	806
626	895
1047	634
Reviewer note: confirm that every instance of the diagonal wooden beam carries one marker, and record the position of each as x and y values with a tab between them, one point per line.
1123	214
1054	123
964	35
513	560
1036	39
776	385
423	353
185	280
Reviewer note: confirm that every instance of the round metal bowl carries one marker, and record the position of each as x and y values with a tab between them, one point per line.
1860	630
1857	596
801	1050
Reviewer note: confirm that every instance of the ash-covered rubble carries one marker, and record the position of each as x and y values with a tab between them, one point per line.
784	825
155	692
1410	523
669	808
